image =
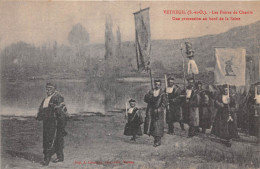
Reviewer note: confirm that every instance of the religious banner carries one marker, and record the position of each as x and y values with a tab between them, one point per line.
230	66
142	38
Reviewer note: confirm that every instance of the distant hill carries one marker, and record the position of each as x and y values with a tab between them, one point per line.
165	54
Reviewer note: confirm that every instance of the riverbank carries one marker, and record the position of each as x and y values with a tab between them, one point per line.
98	142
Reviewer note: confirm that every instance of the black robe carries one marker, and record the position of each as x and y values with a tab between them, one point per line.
253	114
154	120
204	110
221	127
54	121
133	126
174	114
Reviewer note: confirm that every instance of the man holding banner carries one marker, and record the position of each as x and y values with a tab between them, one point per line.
230	69
154	120
224	124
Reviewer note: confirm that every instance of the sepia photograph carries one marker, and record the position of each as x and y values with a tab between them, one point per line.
130	84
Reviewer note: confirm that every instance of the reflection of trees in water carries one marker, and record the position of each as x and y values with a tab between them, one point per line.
117	93
96	94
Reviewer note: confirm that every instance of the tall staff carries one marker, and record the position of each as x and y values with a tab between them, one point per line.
166	86
183	68
126	115
151	78
256	114
229	113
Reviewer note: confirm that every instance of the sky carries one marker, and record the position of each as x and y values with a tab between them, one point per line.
43	22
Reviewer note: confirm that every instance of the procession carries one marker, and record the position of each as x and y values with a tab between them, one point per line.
196	104
192	105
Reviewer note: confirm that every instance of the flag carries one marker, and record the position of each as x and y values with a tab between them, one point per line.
230	66
192	67
189	50
142	38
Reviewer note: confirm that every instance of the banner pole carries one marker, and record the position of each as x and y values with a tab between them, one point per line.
183	68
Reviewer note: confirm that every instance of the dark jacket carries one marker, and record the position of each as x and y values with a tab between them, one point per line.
173	113
204	110
54	121
253	116
221	126
154	120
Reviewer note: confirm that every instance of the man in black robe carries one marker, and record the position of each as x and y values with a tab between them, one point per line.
193	102
154	120
253	104
204	108
53	113
173	112
224	125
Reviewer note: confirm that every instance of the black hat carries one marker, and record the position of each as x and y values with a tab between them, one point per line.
157	80
199	82
50	85
225	86
131	100
170	78
190	78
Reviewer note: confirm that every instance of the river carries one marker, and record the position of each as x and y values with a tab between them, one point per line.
97	95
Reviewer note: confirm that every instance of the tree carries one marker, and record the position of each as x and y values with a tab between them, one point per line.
78	37
118	45
109	38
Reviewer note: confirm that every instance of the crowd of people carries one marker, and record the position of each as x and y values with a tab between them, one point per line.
194	105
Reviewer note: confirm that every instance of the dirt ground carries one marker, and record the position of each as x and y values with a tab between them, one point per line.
98	142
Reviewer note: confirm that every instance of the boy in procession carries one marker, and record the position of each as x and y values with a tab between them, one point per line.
134	121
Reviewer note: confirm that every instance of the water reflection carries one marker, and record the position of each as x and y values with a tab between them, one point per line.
94	95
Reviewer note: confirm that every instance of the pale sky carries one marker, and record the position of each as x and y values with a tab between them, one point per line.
41	22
